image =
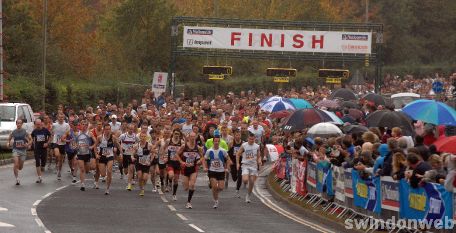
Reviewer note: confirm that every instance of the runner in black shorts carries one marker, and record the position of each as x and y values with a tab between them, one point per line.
107	144
71	148
215	162
41	138
155	136
84	141
163	158
174	166
234	148
143	160
128	141
190	157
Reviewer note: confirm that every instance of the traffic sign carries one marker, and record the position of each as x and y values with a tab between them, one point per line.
437	87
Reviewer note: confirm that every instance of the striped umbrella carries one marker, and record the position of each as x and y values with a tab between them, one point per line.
431	111
301	103
277	104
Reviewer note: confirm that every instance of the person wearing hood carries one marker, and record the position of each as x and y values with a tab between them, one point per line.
381	165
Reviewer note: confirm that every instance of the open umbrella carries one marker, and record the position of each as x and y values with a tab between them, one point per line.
355	113
344	94
354	129
324	130
335	119
267	99
375	98
277	104
304	118
328	103
280	114
350	104
390	119
300	103
446	144
431	111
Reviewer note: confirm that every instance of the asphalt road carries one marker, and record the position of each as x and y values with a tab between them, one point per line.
70	210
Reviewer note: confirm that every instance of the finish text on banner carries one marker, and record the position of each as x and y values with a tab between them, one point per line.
324	178
430	202
366	192
277	40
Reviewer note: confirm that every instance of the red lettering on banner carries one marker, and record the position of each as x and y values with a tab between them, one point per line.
267	40
297	39
315	41
282	40
250	39
234	37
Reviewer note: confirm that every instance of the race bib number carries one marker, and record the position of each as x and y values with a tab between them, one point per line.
249	155
216	164
108	152
190	160
144	160
74	145
59	139
20	143
40	138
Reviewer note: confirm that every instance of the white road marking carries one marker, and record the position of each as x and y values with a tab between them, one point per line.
3	209
196	228
2	224
58	189
33	210
287	214
164	199
37	202
47	231
39	222
171	208
182	217
47	195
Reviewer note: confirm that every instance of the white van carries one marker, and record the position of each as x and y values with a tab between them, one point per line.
401	99
9	114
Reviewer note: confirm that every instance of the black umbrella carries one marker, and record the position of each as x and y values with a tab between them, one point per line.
344	94
305	118
375	98
350	104
354	129
390	119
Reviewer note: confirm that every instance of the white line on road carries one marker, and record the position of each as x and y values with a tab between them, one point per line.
39	222
33	210
164	199
287	214
47	195
37	202
47	231
58	189
182	217
196	228
3	209
171	208
2	224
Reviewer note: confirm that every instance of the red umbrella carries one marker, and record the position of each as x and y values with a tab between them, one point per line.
446	144
355	113
280	114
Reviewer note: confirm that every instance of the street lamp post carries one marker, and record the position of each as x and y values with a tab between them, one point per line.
1	52
44	53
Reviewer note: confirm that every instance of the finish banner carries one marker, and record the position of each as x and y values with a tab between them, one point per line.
430	202
325	178
367	192
277	40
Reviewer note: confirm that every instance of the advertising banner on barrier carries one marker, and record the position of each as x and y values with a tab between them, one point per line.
339	177
277	40
430	202
454	208
301	187
324	178
390	193
367	192
348	183
294	175
312	174
280	168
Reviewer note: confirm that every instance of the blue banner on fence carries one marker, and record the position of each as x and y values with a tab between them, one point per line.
367	192
430	202
312	174
325	178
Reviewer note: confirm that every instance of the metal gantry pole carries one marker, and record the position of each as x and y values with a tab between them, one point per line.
1	51
43	104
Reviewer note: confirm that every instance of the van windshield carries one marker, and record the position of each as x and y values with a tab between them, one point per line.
7	113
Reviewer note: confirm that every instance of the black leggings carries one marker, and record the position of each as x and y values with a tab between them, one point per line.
40	158
236	175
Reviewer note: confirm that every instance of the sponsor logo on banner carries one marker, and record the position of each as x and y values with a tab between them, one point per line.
294	174
348	183
277	40
339	177
354	37
390	193
430	202
301	188
366	192
324	178
312	175
159	83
